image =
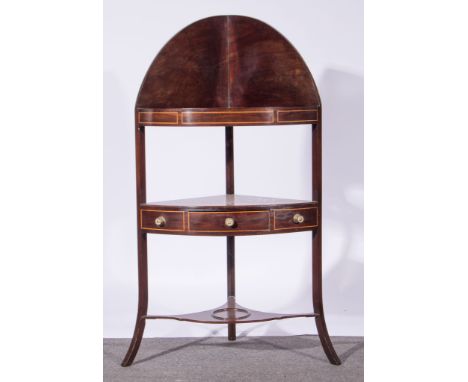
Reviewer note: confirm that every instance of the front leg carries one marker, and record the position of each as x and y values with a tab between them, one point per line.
142	300
317	298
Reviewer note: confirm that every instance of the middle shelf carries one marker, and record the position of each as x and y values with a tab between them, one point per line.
229	215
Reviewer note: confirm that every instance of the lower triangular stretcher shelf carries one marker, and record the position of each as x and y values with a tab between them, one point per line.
230	313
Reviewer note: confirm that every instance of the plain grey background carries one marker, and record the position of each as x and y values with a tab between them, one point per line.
273	271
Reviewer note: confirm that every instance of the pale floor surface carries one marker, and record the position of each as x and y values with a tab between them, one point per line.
295	358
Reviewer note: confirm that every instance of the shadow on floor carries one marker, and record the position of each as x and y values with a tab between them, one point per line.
297	345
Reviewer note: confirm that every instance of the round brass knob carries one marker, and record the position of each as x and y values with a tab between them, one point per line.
160	221
298	219
229	222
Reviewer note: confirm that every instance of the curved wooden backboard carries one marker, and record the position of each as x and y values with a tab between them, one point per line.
228	70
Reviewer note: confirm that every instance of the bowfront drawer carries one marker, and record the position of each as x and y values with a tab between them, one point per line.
160	220
239	221
297	218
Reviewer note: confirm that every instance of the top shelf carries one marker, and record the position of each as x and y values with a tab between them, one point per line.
227	116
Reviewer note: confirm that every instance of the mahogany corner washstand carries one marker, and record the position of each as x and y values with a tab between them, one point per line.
229	71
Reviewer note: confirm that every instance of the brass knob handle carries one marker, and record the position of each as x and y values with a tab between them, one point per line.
160	221
298	219
229	222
